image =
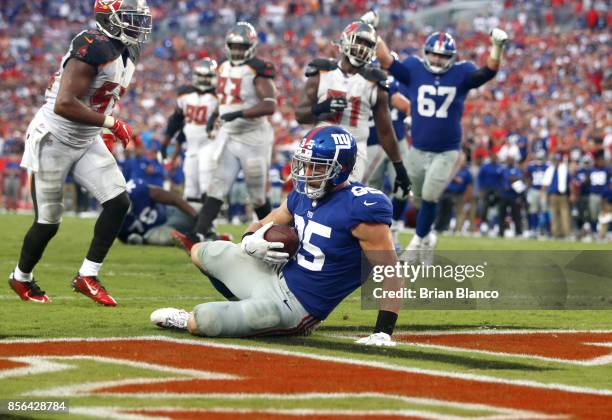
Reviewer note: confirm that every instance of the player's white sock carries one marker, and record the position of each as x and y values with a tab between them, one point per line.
21	276
89	268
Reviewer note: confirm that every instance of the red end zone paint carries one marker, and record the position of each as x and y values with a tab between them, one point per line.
249	415
567	346
268	372
9	364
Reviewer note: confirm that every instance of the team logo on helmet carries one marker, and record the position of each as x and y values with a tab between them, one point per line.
323	160
439	52
241	43
126	20
358	43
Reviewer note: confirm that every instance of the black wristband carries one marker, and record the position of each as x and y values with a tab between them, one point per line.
246	234
318	109
385	322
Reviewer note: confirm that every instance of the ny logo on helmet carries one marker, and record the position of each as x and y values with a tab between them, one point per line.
342	141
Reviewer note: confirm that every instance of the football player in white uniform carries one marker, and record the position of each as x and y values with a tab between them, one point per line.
247	95
194	107
345	91
64	137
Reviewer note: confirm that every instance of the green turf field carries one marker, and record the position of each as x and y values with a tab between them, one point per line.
145	278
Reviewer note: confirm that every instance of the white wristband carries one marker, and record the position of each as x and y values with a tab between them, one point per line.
496	52
109	121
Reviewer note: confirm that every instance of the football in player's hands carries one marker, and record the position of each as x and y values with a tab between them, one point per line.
498	36
285	234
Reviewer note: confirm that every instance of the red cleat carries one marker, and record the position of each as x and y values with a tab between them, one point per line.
186	241
91	287
28	290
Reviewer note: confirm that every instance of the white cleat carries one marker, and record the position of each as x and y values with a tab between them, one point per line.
172	318
413	250
428	244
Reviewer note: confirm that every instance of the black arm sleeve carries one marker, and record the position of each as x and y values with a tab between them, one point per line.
175	123
480	77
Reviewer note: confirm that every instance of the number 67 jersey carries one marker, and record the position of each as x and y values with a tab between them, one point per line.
327	267
437	101
115	66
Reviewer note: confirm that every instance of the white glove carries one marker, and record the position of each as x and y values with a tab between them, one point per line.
257	247
498	37
377	339
370	17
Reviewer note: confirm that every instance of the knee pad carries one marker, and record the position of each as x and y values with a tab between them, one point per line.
50	213
160	235
48	200
208	319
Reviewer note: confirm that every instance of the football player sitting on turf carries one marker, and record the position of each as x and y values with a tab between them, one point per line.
154	214
336	221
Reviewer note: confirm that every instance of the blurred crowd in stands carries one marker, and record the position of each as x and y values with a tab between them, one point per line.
551	101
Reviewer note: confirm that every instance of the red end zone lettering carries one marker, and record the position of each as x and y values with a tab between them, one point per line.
259	371
585	347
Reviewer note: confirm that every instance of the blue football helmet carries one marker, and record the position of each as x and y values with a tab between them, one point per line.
439	52
323	160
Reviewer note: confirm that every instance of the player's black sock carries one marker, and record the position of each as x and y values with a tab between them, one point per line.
34	245
264	210
107	226
221	288
398	207
208	213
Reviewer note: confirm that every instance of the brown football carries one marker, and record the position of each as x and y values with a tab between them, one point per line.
285	234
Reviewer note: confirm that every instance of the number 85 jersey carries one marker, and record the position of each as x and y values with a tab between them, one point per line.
327	267
115	64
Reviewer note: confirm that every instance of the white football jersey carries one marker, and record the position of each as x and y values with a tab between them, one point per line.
115	64
197	107
360	93
236	91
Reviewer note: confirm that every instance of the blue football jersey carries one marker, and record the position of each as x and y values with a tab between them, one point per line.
327	267
144	213
598	180
582	180
437	102
536	171
397	116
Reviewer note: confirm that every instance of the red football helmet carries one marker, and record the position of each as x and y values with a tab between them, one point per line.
129	21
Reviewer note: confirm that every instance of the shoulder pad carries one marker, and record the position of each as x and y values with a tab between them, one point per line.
184	90
262	68
315	66
94	48
376	75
